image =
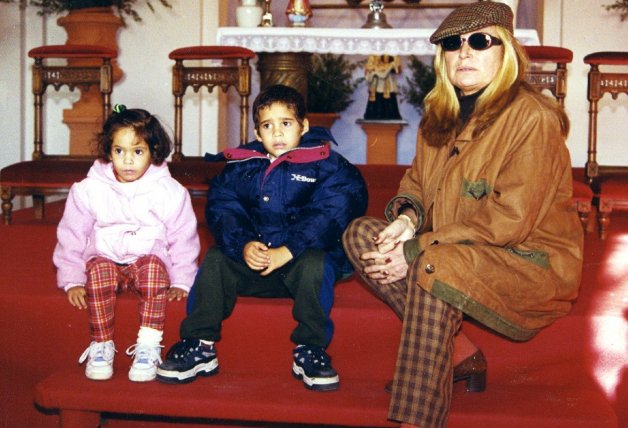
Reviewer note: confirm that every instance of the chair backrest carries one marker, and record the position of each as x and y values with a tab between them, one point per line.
87	65
554	80
233	70
600	83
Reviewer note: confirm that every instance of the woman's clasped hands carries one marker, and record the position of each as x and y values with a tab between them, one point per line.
388	264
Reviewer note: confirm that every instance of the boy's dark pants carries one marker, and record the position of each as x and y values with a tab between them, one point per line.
309	280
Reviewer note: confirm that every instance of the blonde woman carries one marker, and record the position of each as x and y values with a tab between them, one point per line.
482	224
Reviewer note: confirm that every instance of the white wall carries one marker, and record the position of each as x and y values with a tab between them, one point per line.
584	26
581	25
143	58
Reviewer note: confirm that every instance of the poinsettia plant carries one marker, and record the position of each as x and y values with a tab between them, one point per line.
124	8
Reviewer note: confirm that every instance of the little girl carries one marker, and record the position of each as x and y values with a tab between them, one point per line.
128	226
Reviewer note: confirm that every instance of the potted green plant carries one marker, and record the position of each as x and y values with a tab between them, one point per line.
123	8
418	84
330	86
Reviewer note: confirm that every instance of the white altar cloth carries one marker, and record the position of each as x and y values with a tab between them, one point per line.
351	41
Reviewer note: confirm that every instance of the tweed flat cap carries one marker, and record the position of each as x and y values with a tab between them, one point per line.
474	16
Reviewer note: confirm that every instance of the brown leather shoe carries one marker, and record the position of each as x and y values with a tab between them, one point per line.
473	370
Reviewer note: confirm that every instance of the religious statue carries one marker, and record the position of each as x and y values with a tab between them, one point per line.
381	75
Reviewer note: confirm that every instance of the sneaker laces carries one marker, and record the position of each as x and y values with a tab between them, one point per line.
99	351
144	353
182	349
316	355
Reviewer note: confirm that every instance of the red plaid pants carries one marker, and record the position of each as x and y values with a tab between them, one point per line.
147	277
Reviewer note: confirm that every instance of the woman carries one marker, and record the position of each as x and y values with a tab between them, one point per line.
482	224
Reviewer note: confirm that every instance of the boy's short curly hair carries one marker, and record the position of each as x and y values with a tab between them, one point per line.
146	127
283	94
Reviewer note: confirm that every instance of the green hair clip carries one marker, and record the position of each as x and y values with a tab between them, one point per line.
119	108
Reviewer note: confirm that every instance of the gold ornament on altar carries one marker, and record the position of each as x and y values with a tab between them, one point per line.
298	12
267	17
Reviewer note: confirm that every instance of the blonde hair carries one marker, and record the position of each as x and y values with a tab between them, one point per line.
441	103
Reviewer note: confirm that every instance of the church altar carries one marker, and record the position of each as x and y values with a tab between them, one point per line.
284	52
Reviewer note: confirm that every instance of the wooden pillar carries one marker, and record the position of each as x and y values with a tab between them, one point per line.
381	140
285	68
92	26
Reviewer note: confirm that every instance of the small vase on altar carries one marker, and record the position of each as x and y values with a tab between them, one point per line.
249	14
298	12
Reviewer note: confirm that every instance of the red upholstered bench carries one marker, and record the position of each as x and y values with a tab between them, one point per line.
41	178
613	196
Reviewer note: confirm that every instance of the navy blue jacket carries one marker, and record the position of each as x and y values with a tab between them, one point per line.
304	199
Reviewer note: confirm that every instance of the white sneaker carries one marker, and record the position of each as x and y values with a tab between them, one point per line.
99	357
145	362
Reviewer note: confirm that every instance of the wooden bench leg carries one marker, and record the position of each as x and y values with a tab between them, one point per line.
38	206
79	419
7	204
604	216
584	211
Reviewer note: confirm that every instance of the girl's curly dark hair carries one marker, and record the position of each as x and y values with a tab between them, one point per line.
146	127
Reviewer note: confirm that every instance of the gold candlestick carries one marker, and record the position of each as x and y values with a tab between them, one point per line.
267	18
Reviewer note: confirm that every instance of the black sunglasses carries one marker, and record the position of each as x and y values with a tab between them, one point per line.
477	41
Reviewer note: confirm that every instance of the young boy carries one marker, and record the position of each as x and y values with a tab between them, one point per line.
277	213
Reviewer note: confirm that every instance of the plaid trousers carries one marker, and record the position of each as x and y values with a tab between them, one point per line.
423	380
147	277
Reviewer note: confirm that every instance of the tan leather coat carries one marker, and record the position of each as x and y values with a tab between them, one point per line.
499	237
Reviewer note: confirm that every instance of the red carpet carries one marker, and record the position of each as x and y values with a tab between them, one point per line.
573	374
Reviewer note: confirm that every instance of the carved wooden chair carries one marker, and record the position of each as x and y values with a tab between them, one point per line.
73	75
548	72
87	65
229	68
609	182
554	80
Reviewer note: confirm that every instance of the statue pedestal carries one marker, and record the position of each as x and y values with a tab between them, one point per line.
381	140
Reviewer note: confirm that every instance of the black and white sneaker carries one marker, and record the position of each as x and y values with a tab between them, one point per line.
312	365
186	360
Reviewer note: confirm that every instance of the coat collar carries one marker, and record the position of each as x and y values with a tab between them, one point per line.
314	145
